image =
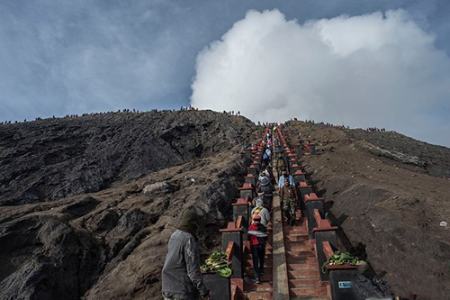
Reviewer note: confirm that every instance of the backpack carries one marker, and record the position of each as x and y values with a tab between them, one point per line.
266	189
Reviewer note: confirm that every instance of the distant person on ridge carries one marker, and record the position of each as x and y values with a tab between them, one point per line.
181	276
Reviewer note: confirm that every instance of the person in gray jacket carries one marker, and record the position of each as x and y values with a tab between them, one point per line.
181	276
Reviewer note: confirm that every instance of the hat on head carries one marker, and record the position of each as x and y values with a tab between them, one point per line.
188	220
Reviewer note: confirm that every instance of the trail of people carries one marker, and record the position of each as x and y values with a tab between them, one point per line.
262	290
302	266
280	245
294	273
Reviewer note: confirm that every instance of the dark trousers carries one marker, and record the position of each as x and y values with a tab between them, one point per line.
258	253
267	199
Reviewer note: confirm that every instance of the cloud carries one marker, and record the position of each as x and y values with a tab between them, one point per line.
82	56
378	69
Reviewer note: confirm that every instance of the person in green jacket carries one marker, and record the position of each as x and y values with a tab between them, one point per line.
288	197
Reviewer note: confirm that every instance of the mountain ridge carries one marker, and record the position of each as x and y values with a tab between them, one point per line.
108	189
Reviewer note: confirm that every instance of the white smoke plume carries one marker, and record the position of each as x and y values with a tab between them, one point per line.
379	69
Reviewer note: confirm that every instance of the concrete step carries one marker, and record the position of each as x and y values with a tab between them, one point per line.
259	296
306	283
294	249
295	231
295	238
305	260
309	292
308	298
303	274
298	250
301	259
264	286
303	268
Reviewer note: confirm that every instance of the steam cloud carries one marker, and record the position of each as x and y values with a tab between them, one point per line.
372	70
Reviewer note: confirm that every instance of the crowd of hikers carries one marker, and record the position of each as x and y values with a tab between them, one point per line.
181	276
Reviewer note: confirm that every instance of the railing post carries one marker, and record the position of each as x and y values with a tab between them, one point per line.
250	178
292	159
247	155
342	284
298	174
257	164
304	189
247	191
231	233
218	286
323	232
342	278
312	202
241	208
252	169
298	150
310	148
294	168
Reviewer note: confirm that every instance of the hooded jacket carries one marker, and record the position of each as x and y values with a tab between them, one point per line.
181	276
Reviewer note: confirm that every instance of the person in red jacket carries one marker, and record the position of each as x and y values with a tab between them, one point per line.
257	236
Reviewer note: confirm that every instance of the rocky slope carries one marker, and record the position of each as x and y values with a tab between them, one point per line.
51	159
390	194
89	202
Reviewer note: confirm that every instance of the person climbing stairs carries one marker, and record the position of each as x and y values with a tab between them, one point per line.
263	290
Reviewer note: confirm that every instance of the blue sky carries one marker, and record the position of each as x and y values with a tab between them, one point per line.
68	57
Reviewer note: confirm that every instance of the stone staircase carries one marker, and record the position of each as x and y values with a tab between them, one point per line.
291	266
303	272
